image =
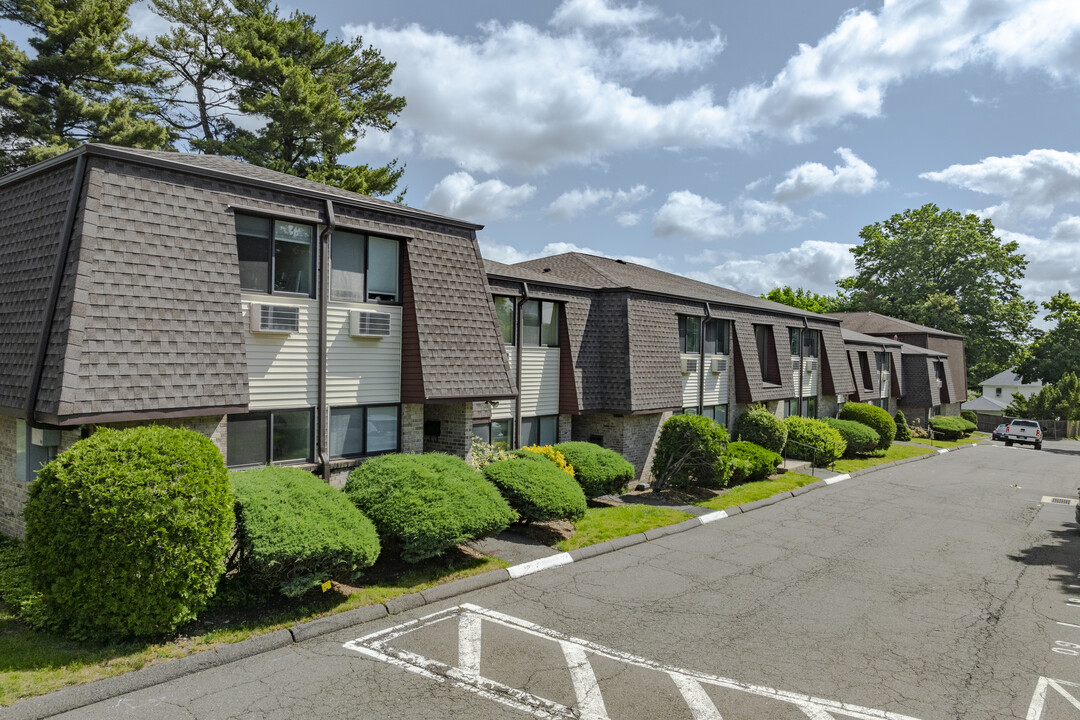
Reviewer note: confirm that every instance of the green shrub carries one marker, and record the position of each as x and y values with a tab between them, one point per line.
127	532
536	487
761	427
424	505
294	532
751	462
903	432
860	438
947	427
813	440
598	470
690	450
554	456
970	416
873	417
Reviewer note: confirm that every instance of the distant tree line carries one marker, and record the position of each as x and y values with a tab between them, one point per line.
230	77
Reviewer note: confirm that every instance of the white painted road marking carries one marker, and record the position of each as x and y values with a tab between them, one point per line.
838	478
1038	699
544	563
381	645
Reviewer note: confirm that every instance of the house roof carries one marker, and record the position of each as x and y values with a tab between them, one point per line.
850	336
610	274
908	349
1009	377
984	403
871	323
518	272
238	171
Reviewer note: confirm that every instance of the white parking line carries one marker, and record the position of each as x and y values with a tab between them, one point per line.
589	701
700	704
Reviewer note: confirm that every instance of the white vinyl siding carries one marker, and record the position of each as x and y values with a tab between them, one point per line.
809	379
283	369
539	383
716	384
691	382
362	371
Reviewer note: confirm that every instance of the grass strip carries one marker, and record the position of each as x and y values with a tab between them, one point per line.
894	453
759	490
607	523
974	438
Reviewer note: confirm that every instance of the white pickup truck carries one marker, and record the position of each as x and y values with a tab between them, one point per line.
1025	432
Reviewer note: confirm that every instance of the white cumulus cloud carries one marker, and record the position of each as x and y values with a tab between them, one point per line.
691	215
509	255
573	203
813	265
460	195
853	177
596	13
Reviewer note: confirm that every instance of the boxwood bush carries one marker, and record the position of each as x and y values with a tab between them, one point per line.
817	442
294	532
598	470
424	505
948	427
690	450
873	417
860	438
554	456
970	416
761	427
127	532
751	462
903	432
536	488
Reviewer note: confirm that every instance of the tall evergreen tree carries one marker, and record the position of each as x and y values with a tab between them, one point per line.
87	80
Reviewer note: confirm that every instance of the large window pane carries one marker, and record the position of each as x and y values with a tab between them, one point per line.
247	439
292	257
692	336
504	310
382	429
711	337
723	336
530	431
291	435
548	429
382	269
347	267
253	252
346	431
793	336
761	340
810	343
720	415
530	320
549	324
482	431
500	433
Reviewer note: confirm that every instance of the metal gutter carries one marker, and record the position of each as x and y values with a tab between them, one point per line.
324	303
54	288
518	337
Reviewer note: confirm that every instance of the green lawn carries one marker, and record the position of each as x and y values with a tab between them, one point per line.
607	523
33	663
975	437
751	491
895	452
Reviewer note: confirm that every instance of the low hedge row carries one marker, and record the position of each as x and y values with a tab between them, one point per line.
948	427
813	440
860	438
873	417
751	462
598	470
536	488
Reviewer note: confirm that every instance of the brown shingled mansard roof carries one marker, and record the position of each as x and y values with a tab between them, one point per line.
871	323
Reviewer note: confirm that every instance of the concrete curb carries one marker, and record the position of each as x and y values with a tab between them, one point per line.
79	696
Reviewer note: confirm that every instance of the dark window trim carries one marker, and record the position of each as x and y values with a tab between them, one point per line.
514	313
366	235
795	341
314	225
768	363
722	341
540	328
683	321
268	446
364	452
519	443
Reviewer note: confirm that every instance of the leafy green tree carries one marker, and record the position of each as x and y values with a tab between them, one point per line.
1058	400
949	271
806	299
1057	351
86	80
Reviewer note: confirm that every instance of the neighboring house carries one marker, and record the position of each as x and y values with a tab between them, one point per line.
289	321
950	344
876	369
997	392
929	387
605	351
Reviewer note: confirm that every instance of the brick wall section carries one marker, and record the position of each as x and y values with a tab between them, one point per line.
12	493
632	436
412	428
566	425
455	428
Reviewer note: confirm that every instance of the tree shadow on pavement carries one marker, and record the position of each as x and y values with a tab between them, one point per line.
1059	549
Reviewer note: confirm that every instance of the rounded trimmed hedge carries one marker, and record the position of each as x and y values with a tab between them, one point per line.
294	532
825	444
424	505
598	470
970	416
751	462
949	427
127	531
690	450
873	417
537	488
762	428
903	432
860	438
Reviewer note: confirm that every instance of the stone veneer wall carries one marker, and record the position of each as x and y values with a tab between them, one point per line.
412	428
826	406
566	424
632	436
455	431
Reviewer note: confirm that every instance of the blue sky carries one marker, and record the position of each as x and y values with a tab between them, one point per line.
745	144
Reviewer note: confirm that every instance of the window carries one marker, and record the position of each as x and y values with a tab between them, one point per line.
810	407
791	407
363	430
689	411
495	432
364	268
542	430
278	436
689	334
504	311
717	413
540	323
794	340
997	392
766	351
33	448
864	366
939	372
717	337
275	256
811	343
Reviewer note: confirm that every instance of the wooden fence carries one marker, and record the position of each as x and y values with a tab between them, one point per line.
1052	429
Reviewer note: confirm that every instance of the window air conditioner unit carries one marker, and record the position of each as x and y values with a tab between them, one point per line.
689	366
283	319
809	364
719	365
367	324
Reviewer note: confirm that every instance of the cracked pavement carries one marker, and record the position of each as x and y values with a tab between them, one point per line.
934	589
